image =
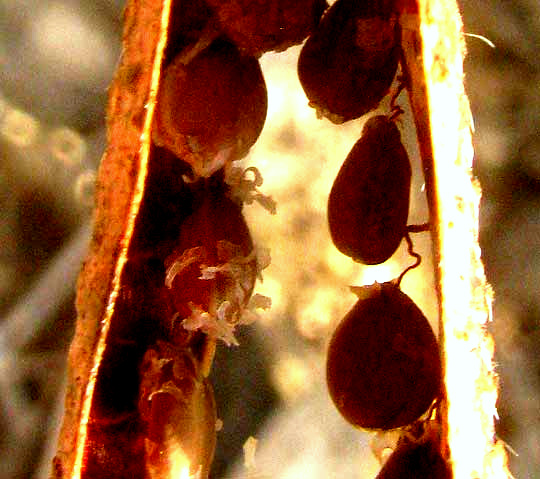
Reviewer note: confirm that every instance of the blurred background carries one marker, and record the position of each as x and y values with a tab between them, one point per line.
57	59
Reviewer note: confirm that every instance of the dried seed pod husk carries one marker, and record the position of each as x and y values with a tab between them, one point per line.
210	111
260	26
177	408
383	365
347	66
368	204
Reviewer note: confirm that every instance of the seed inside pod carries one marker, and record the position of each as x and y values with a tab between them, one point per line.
211	273
412	459
261	26
383	365
368	204
176	405
347	66
211	110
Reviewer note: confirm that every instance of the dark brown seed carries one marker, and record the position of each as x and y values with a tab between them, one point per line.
211	111
263	25
347	66
421	460
383	365
369	201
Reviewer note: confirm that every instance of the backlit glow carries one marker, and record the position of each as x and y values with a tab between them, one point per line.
471	382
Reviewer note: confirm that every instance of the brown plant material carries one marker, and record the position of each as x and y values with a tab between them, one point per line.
172	265
211	110
129	357
368	204
383	367
417	457
118	198
212	269
139	404
260	26
347	66
176	405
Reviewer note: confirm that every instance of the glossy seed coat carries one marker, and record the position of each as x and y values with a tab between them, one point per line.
368	204
211	110
383	365
347	66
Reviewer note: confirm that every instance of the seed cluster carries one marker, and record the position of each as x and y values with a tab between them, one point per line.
383	365
211	107
383	368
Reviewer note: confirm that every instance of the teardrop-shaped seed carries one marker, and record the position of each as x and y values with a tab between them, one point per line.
211	110
368	204
383	365
347	66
